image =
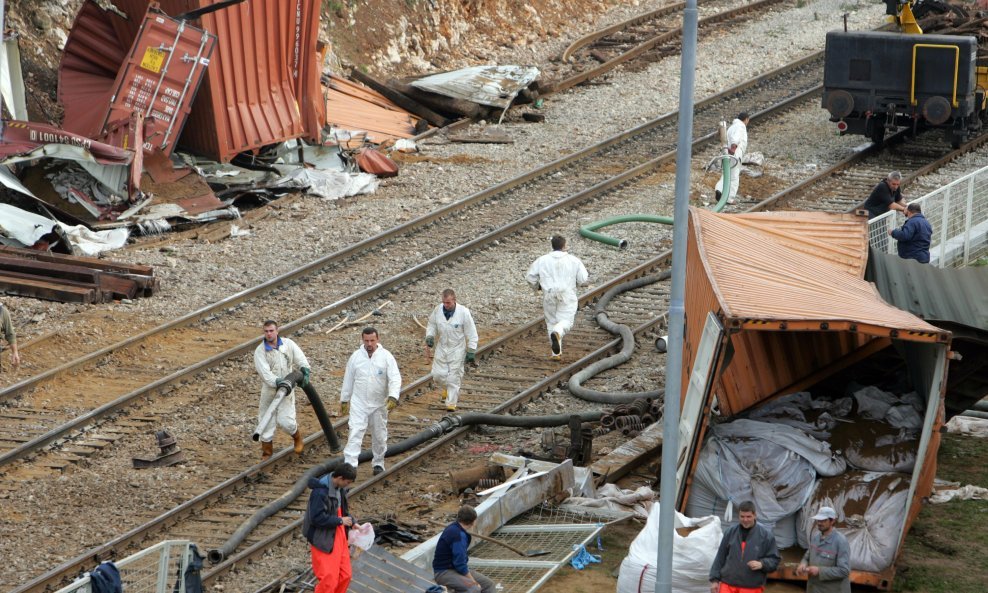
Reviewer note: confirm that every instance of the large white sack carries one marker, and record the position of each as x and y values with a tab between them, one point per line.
871	509
692	555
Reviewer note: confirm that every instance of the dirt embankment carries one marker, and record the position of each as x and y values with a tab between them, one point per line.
394	37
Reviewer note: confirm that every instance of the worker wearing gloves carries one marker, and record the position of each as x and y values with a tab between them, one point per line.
274	358
371	385
557	275
453	334
737	145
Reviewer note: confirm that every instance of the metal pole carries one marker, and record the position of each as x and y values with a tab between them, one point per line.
677	310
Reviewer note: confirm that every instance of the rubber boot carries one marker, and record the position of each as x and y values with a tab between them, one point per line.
299	444
267	449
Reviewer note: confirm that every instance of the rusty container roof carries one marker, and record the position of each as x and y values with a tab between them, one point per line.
262	84
790	289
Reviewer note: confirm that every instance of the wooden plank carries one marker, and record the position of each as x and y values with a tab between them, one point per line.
87	262
49	270
630	454
50	291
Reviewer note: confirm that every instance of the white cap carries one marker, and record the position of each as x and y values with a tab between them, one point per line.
825	513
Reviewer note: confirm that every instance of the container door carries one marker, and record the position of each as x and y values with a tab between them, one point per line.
711	343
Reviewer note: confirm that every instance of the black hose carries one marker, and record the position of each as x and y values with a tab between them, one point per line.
443	426
324	421
575	384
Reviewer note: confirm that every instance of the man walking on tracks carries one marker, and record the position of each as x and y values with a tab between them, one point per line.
747	553
453	334
914	236
274	358
7	329
450	562
325	525
557	274
371	385
737	145
827	561
886	196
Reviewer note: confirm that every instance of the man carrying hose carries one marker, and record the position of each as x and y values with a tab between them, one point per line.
557	274
453	334
737	145
450	562
274	358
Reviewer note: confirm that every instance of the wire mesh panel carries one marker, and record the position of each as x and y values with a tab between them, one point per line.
958	213
157	569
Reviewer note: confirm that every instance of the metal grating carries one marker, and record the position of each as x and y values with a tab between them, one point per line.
559	531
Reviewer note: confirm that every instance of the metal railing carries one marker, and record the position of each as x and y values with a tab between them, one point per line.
958	213
158	569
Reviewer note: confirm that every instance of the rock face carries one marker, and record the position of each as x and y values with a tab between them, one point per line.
396	37
416	36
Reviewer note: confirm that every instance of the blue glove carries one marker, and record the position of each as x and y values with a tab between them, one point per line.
305	376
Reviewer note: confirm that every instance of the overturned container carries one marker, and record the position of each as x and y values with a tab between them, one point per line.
261	86
776	304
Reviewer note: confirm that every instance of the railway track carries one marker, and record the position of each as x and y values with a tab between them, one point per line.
104	382
651	134
648	38
491	385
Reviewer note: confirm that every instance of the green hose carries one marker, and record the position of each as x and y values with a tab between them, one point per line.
589	230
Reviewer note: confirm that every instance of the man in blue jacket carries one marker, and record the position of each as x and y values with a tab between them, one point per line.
325	525
450	560
914	236
747	553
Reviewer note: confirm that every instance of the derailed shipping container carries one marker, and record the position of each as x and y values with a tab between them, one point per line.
776	304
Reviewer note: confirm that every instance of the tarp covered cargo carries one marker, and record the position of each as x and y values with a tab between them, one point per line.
102	80
777	303
262	84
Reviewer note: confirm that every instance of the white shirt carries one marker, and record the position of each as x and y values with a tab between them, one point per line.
370	380
557	270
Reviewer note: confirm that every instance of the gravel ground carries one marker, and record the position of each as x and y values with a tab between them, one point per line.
193	274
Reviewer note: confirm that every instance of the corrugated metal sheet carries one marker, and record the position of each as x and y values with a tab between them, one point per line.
805	316
352	106
262	85
496	86
959	295
777	269
758	269
92	56
954	299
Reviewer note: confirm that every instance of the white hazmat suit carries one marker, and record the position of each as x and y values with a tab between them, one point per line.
273	364
453	337
558	273
368	382
737	135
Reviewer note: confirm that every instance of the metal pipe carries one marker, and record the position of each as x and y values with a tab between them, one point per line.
677	309
445	425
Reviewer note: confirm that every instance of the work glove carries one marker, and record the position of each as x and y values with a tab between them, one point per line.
471	356
392	403
344	408
305	376
430	341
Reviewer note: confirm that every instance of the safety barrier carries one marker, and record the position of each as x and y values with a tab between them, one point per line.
158	569
958	213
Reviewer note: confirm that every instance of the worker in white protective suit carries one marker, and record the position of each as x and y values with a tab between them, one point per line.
274	358
737	145
557	275
371	385
453	334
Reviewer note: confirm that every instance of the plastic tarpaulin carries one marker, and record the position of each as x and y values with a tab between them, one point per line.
870	512
695	543
23	229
